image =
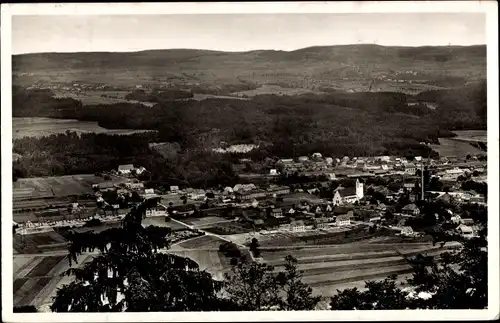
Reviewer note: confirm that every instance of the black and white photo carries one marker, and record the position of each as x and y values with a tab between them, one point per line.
232	157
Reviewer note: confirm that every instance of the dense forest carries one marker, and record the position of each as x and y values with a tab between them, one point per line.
70	153
336	124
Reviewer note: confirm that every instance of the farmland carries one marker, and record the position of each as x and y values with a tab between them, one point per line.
341	266
99	97
203	242
40	127
160	222
454	147
36	278
48	197
205	221
273	89
38	242
229	228
46	187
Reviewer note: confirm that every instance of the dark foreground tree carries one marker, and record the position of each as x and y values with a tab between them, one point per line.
131	274
25	309
254	286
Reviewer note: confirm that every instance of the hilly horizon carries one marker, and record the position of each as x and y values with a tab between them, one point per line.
254	50
323	65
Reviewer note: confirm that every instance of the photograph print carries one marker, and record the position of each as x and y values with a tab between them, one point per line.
215	162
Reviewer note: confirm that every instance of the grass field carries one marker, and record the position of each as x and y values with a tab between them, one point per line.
272	89
37	242
204	221
454	147
36	278
99	97
57	186
228	228
202	242
40	127
160	222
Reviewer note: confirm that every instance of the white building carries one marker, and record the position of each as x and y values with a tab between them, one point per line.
348	195
125	169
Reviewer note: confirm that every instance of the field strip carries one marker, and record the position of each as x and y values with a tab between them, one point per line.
349	268
59	267
48	298
339	264
343	275
30	266
46	291
363	278
19	263
40	283
18	283
24	290
329	258
45	266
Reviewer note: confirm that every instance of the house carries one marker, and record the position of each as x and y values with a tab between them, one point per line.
329	161
285	161
106	186
407	231
174	189
348	195
343	220
317	155
140	170
411	209
279	190
149	193
134	186
479	199
244	187
157	211
456	219
466	221
291	211
331	176
285	226
409	185
313	190
375	218
410	168
298	226
277	212
273	172
250	195
303	159
125	169
465	231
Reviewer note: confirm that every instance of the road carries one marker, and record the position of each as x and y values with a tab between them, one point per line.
211	234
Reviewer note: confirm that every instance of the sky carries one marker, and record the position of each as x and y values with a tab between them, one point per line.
241	32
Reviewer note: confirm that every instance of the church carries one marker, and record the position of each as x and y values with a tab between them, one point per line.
348	195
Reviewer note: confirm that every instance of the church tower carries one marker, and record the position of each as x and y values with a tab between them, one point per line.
359	189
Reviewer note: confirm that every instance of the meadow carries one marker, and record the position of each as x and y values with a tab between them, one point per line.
42	127
99	97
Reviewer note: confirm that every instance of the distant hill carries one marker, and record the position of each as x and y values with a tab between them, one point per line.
308	67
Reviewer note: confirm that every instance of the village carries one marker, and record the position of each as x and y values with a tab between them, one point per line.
298	200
